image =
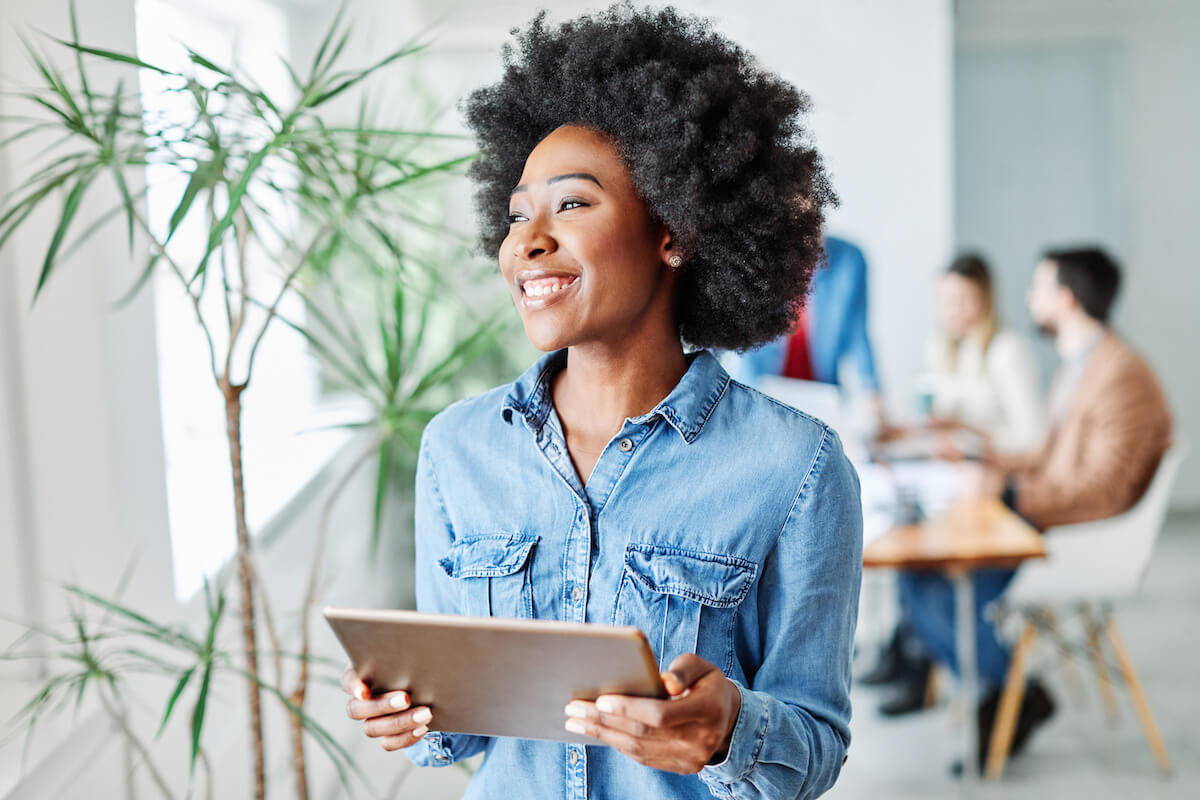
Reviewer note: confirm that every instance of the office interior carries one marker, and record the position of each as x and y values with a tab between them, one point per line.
1004	128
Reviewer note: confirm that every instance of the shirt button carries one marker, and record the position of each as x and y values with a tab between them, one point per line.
625	444
576	595
574	758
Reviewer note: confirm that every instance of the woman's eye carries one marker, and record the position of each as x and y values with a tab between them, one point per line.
569	204
514	217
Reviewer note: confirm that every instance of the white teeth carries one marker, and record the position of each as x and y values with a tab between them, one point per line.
542	290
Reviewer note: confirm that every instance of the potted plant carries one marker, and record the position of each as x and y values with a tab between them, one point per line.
340	184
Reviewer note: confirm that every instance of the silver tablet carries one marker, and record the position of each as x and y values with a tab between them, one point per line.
497	677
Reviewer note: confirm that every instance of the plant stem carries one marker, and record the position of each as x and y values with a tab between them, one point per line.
300	693
233	429
118	716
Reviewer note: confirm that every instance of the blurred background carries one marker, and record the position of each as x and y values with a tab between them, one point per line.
1003	128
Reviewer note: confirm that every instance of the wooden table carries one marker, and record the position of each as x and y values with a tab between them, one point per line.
971	535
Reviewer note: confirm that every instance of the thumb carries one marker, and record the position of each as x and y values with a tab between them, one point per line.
684	671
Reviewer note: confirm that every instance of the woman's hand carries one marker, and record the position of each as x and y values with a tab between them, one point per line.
386	717
682	734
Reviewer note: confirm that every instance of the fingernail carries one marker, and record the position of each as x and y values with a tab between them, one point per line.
575	709
575	726
419	732
423	715
605	705
398	701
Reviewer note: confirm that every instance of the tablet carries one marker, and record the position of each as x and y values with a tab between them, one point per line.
496	677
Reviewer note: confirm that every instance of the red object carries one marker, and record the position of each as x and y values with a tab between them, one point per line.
798	363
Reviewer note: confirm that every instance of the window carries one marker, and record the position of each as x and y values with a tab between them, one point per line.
281	449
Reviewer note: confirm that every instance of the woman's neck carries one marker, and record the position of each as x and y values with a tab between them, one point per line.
600	387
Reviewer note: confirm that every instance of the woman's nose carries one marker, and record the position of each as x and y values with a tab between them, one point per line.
534	240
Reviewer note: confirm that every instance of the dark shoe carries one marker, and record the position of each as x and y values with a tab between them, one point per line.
899	660
911	695
1036	708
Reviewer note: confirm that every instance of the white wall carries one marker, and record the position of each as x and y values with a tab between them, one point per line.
80	453
1160	43
879	74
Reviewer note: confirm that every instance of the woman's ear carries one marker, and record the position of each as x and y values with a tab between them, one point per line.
668	252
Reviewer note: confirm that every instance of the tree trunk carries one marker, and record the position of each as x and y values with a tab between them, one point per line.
233	430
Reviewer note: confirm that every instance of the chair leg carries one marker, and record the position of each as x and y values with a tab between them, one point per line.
1010	704
1139	697
931	687
1102	676
1069	667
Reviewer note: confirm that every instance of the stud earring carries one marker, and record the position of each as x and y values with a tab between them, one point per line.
675	261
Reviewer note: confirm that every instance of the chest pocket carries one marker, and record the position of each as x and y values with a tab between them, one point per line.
492	572
685	601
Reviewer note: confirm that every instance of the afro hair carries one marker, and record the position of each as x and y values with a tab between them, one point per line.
714	144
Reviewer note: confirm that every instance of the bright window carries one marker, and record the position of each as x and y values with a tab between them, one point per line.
281	449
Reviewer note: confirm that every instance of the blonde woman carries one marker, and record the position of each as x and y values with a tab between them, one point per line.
982	377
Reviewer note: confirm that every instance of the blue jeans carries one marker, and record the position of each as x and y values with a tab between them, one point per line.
927	601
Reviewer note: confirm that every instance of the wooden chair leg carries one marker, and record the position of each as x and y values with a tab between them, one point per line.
1010	704
1139	697
931	687
1102	676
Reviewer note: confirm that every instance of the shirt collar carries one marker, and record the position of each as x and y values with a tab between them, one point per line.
685	409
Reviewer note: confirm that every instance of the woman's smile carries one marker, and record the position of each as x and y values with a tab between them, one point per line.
541	288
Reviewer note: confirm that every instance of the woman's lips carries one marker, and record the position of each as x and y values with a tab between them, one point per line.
546	290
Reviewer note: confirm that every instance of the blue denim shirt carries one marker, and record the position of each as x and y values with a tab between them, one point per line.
722	523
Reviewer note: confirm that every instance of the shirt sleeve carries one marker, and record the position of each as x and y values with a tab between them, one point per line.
793	730
859	344
435	593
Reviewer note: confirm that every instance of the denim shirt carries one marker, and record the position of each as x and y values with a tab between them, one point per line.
721	523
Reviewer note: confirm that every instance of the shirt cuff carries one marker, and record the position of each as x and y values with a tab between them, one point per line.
432	751
749	733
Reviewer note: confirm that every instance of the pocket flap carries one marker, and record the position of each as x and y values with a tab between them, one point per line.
489	556
708	578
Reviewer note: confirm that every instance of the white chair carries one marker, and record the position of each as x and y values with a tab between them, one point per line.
1087	566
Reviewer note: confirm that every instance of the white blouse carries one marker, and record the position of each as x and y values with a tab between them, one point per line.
995	391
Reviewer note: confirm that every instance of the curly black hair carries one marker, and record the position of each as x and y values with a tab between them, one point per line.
714	144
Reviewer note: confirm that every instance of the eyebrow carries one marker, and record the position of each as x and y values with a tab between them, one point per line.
587	176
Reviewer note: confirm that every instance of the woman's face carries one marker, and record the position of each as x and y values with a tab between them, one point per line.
960	305
583	257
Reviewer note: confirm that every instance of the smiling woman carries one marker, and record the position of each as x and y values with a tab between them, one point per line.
644	185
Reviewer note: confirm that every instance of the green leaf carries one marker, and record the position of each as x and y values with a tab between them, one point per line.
112	55
70	206
381	486
83	83
329	34
464	352
196	181
159	632
179	687
136	288
444	166
362	74
126	202
341	759
233	203
198	712
196	58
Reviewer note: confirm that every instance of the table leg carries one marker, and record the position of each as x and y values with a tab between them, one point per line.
968	673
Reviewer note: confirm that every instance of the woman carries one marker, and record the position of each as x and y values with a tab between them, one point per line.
644	183
983	378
